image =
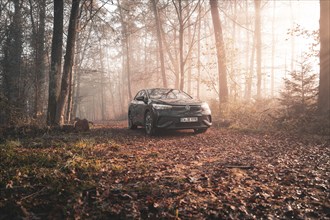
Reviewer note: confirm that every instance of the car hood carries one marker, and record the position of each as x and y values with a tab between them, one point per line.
177	101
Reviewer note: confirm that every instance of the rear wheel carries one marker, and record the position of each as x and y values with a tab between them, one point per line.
200	130
149	124
131	124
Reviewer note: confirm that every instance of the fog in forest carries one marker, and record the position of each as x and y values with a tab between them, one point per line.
282	50
121	46
95	122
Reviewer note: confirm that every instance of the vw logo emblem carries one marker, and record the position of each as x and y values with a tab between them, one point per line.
187	107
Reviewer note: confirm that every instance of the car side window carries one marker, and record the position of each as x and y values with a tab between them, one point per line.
144	94
138	94
141	93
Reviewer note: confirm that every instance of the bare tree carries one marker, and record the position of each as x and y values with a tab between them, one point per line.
160	42
183	19
38	44
221	55
258	45
324	84
68	62
126	47
199	50
273	49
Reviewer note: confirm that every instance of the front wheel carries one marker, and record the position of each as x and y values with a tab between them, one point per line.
131	124
200	130
149	124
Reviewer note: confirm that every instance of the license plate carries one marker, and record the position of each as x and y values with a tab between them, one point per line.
190	119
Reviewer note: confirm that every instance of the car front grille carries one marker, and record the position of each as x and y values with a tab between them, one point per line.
183	109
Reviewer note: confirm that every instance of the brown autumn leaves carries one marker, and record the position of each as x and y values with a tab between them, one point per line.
112	172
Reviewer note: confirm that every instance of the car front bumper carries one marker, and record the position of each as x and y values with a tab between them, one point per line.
171	120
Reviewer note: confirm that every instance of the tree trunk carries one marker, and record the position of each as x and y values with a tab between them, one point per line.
324	84
258	45
38	40
68	62
181	45
56	61
189	54
248	91
233	88
199	50
128	64
273	49
126	49
293	43
102	81
160	43
221	55
248	76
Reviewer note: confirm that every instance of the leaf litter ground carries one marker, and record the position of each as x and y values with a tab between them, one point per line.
115	173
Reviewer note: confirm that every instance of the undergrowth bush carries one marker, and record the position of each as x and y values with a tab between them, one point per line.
269	115
258	115
294	111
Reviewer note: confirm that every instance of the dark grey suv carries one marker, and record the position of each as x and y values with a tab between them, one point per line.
159	108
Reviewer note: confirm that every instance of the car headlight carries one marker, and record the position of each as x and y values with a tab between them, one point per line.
205	107
161	107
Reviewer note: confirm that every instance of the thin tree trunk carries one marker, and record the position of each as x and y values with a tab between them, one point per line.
181	45
258	45
102	84
68	62
292	38
56	61
273	49
42	56
38	36
189	54
199	50
126	47
128	65
247	88
160	43
221	55
233	90
69	99
251	70
324	84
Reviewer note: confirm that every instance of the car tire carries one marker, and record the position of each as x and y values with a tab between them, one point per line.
149	124
200	130
131	124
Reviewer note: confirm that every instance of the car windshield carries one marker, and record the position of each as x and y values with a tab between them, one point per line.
167	94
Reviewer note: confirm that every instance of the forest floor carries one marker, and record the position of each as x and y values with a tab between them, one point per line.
111	172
